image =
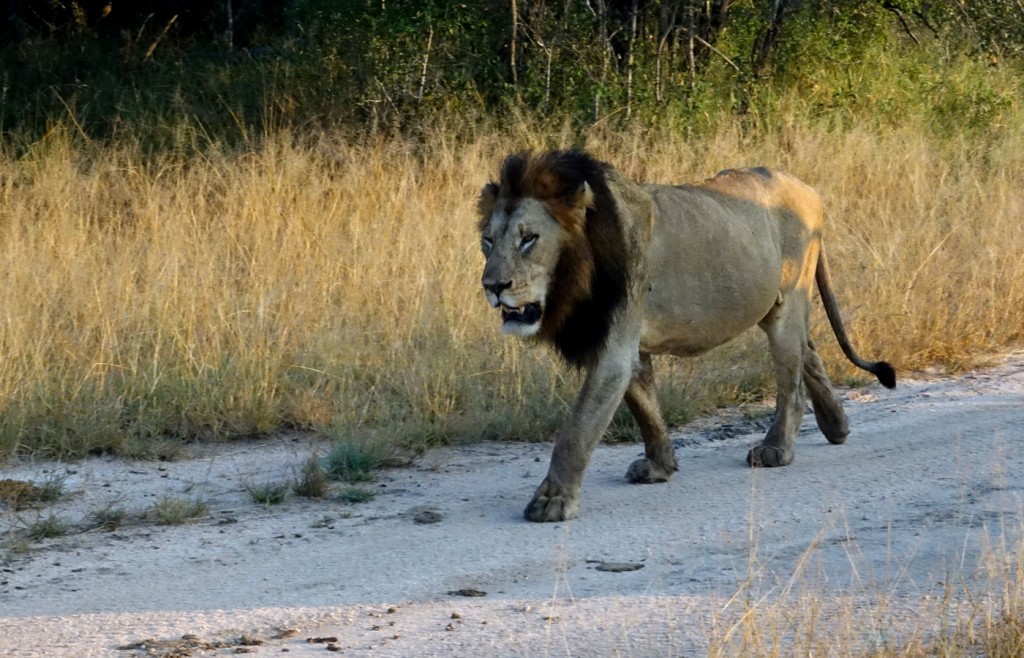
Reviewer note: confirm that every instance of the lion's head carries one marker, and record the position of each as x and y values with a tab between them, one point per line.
556	263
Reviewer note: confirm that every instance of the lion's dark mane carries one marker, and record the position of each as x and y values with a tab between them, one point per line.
591	279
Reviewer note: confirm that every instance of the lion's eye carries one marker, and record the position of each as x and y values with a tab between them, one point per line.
527	243
487	244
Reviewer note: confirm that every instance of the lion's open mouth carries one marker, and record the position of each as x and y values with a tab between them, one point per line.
528	314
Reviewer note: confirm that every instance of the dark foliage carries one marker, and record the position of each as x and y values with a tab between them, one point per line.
232	68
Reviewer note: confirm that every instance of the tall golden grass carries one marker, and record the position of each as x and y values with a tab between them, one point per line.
333	284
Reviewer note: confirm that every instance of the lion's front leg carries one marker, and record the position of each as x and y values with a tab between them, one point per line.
557	497
553	502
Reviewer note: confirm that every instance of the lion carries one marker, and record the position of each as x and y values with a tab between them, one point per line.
610	272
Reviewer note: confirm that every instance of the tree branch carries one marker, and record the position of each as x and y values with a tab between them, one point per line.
717	52
903	21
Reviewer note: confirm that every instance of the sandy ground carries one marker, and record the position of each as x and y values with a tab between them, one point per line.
932	474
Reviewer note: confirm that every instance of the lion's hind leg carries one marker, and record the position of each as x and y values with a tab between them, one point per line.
828	410
786	328
659	461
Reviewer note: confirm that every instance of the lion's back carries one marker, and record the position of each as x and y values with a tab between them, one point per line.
771	188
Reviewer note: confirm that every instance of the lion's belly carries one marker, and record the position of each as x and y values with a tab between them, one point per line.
675	326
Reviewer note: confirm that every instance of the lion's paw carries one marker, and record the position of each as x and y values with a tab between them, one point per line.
833	424
550	503
769	456
836	437
645	471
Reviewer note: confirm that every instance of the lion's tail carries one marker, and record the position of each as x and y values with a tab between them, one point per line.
885	373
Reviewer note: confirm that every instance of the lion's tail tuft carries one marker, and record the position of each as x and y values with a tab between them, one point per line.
885	373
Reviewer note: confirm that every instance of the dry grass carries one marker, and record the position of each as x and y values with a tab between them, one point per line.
978	614
335	285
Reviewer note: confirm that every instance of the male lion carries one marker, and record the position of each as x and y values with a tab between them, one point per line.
610	272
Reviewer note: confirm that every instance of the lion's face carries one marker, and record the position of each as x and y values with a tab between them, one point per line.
522	243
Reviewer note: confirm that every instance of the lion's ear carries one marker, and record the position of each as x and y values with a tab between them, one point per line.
485	204
571	211
583	197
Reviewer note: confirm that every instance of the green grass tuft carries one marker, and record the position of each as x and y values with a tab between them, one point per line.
356	495
355	460
46	528
175	511
109	518
313	482
270	493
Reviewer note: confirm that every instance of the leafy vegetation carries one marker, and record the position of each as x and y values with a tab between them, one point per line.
176	76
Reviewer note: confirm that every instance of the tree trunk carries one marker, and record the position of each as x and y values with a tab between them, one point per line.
634	10
706	21
513	49
765	44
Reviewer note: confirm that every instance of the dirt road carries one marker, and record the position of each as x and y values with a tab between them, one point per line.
440	562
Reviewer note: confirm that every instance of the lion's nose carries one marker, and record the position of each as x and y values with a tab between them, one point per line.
497	288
